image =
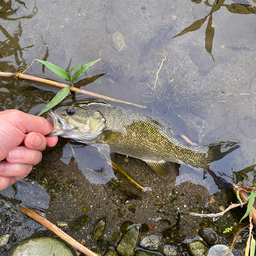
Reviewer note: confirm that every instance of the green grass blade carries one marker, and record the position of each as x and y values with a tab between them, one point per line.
81	70
55	69
74	68
60	96
252	249
249	208
252	195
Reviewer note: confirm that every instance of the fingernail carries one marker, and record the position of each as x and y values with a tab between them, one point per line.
35	141
16	153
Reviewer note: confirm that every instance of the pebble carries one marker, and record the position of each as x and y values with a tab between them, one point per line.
169	250
118	41
219	249
43	246
150	242
209	236
128	243
4	239
197	248
98	229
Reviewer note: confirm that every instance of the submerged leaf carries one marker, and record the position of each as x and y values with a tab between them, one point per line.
249	208
193	27
60	96
241	8
55	69
209	35
81	70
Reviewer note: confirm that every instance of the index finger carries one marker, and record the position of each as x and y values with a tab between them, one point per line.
27	123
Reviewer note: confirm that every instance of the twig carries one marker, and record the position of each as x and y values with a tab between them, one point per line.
61	85
212	215
157	73
130	179
32	214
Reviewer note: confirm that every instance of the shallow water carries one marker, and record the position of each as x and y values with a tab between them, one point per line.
211	92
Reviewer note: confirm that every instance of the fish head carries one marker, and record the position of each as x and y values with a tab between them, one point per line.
77	123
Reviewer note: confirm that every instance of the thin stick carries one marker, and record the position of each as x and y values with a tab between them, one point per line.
32	214
61	85
130	179
212	215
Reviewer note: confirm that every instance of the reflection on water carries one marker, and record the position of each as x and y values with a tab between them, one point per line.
237	8
10	45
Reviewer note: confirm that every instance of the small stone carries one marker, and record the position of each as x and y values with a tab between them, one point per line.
79	222
118	41
219	249
140	252
110	253
4	239
150	242
197	248
209	236
98	229
43	246
169	250
128	243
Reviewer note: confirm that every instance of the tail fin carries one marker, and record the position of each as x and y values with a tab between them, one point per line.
219	150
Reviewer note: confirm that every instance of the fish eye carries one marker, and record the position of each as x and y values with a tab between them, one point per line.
70	111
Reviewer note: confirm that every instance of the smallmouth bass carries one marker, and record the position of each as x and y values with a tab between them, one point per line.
133	134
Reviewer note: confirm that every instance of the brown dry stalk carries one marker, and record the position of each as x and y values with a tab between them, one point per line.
61	85
243	197
32	214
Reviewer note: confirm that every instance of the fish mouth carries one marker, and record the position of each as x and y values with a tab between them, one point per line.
57	126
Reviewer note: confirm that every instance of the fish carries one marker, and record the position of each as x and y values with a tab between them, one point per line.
134	134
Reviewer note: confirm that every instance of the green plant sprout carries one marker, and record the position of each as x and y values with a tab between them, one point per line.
227	230
63	93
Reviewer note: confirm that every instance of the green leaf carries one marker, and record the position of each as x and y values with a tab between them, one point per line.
74	68
60	96
252	195
55	69
249	208
252	249
81	70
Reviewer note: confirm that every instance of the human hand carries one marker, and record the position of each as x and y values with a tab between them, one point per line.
21	142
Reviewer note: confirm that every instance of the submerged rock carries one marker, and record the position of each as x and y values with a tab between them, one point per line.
118	41
209	236
43	246
140	252
79	222
110	252
150	242
219	249
169	250
197	248
4	239
127	245
98	229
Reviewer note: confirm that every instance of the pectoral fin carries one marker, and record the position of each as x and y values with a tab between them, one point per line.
163	169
